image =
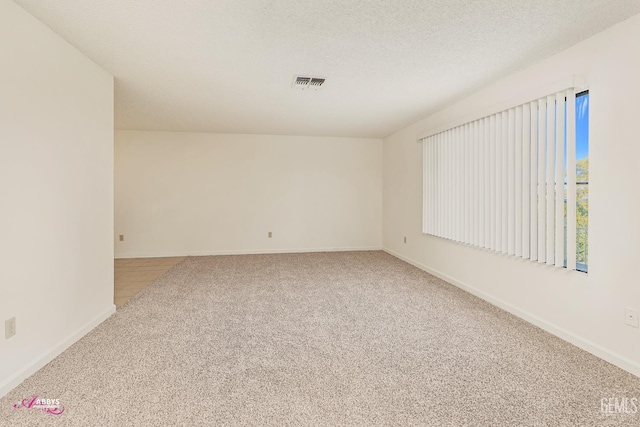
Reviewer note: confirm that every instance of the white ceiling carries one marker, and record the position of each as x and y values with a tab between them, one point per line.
227	65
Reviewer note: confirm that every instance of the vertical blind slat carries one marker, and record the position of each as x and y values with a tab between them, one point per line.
432	186
487	193
560	176
456	174
511	183
439	184
461	186
518	182
425	194
571	180
476	182
445	183
492	181
427	186
445	171
448	188
526	180
452	176
534	183
469	193
551	127
458	213
505	182
477	176
499	182
468	182
542	176
472	171
481	184
434	175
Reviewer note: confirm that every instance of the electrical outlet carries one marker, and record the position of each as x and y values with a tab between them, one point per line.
122	237
9	328
631	317
270	235
405	239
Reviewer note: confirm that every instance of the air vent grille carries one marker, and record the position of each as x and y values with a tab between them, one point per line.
302	82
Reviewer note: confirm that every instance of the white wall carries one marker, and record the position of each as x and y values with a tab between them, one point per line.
201	194
586	310
56	181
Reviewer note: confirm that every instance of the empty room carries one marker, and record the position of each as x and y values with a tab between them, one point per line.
307	213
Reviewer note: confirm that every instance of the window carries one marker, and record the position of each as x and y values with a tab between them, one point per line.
582	180
514	181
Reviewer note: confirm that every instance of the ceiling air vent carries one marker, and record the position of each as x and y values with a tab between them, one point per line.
302	82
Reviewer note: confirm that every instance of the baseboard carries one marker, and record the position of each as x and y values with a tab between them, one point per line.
247	252
586	345
33	366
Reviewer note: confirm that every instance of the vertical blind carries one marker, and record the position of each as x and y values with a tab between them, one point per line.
501	182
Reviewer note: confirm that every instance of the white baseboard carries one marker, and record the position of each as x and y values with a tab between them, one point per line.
246	252
589	346
33	366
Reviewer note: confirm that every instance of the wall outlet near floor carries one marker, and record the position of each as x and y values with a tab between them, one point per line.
405	239
631	316
270	235
122	237
9	328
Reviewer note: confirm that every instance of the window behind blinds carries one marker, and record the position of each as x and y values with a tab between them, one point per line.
501	182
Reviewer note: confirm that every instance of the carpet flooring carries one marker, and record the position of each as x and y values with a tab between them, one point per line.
327	339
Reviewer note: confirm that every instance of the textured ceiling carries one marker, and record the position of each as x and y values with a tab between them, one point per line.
228	65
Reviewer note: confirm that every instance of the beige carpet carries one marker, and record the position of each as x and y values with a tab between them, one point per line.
357	338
